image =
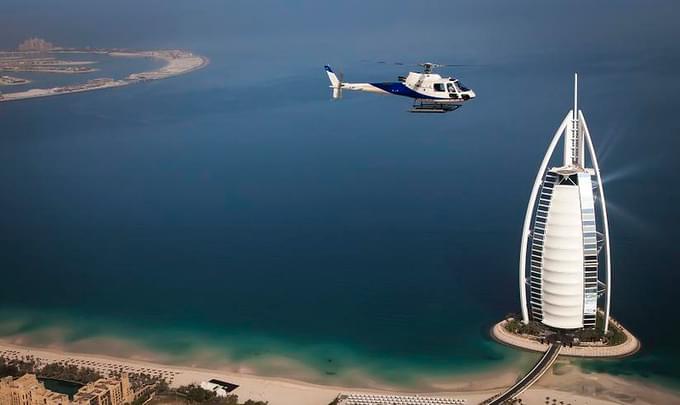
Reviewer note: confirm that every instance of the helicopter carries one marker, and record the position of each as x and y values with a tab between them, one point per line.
431	93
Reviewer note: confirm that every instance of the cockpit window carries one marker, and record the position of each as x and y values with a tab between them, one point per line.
462	87
439	87
450	88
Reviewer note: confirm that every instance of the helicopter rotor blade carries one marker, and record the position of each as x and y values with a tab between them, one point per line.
438	65
382	62
433	65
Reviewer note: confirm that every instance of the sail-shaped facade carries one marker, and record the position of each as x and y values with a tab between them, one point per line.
561	242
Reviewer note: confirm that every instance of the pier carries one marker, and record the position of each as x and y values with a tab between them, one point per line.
543	365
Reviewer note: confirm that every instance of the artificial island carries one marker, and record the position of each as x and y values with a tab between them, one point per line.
36	55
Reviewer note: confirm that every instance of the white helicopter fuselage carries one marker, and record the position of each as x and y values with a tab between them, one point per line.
424	87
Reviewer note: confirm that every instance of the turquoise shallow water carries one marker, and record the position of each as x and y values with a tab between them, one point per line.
238	211
322	361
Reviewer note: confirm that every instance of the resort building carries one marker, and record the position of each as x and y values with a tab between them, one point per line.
106	391
219	387
561	239
27	390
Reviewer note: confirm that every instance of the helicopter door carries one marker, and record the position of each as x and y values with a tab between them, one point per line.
453	93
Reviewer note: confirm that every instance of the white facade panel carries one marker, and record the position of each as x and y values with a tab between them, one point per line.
562	289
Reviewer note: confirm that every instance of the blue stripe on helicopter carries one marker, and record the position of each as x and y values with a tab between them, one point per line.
400	89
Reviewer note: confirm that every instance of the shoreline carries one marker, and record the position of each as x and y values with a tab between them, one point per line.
275	366
564	381
276	390
177	63
6	80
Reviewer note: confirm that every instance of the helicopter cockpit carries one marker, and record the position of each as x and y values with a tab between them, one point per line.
452	90
451	86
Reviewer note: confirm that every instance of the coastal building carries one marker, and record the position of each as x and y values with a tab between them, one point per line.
561	240
27	390
219	387
35	45
5	390
106	391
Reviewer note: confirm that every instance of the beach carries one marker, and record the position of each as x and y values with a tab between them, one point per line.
566	382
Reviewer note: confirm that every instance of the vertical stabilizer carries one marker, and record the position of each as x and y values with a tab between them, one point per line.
335	82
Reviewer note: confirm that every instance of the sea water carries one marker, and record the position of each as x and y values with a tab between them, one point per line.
236	215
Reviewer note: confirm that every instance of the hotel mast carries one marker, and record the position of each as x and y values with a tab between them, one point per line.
565	242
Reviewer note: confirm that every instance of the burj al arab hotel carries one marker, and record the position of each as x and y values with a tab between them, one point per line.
565	237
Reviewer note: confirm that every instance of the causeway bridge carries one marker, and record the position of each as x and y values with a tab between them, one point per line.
543	365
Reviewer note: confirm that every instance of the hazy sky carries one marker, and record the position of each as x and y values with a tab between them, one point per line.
299	31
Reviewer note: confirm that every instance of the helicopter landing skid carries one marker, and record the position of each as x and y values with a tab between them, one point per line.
430	107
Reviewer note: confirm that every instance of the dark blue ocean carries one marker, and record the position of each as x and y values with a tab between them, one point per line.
238	208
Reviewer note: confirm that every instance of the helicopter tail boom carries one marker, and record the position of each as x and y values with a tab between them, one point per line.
338	85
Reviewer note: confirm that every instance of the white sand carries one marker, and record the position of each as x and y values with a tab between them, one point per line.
571	385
